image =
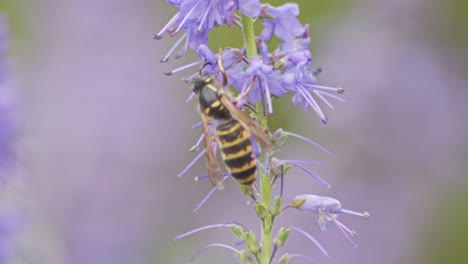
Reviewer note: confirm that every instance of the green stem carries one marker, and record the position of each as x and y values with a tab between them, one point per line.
265	183
267	222
249	36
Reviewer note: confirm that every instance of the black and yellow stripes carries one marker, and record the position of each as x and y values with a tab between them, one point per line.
233	132
236	150
210	104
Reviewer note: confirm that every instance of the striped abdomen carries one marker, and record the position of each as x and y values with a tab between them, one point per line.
236	150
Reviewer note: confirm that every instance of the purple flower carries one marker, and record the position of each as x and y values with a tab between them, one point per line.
327	210
194	38
198	17
263	80
251	8
296	44
302	83
204	14
229	58
281	21
208	62
294	52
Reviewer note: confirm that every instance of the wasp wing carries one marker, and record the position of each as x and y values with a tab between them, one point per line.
246	122
213	168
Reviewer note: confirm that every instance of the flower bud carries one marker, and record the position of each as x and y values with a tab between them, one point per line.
275	209
251	242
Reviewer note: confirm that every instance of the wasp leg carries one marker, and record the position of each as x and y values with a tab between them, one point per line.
221	67
244	94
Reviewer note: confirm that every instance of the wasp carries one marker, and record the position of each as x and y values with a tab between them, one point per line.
233	132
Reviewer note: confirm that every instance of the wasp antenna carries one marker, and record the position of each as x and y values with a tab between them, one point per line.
203	66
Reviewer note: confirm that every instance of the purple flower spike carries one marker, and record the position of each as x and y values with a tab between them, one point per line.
8	128
284	23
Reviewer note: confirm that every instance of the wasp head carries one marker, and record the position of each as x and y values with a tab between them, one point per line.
201	82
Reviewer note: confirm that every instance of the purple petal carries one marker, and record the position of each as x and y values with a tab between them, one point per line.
250	8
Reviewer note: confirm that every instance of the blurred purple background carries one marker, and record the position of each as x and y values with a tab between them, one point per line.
105	134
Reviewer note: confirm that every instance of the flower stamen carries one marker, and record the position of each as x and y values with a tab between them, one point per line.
191	163
323	99
302	256
318	178
311	238
160	35
193	64
196	230
213	245
311	162
174	47
339	99
196	147
331	153
210	193
312	103
205	15
348	233
186	17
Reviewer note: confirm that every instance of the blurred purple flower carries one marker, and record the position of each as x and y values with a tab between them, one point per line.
8	222
7	133
9	225
3	48
7	126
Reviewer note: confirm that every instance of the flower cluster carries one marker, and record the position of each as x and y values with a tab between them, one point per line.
286	69
258	73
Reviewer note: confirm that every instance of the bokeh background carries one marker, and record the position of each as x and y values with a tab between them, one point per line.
104	134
